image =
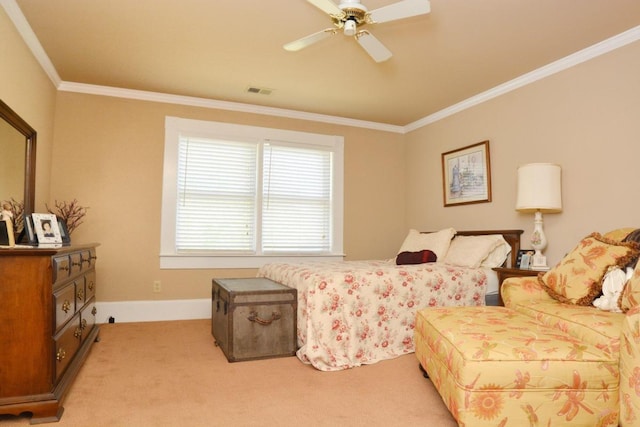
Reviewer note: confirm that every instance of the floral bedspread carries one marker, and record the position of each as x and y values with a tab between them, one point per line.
360	312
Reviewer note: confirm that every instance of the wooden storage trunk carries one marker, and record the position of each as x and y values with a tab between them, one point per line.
253	318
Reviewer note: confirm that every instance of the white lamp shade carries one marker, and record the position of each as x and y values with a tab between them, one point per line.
539	187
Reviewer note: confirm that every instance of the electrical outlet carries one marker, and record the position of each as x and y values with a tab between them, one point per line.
157	287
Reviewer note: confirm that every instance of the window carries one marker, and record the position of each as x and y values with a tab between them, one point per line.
238	196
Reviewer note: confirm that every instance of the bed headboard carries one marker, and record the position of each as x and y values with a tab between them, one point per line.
511	236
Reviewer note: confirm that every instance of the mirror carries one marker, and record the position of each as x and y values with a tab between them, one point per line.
17	160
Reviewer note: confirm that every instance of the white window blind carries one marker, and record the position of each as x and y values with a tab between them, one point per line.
296	205
216	206
239	196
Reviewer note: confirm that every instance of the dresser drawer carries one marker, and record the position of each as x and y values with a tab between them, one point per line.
64	300
76	263
89	258
67	343
81	294
88	318
90	284
61	268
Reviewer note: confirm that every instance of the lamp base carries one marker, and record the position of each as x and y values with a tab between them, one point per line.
539	262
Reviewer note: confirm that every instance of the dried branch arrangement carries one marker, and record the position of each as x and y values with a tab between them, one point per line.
17	209
71	212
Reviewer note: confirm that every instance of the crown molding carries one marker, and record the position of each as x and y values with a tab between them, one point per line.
29	37
222	105
605	46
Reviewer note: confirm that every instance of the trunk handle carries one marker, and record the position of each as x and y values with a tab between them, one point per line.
253	317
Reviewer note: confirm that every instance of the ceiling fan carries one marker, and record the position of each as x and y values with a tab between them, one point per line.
350	15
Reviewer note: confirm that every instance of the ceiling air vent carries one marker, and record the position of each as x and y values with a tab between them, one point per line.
260	90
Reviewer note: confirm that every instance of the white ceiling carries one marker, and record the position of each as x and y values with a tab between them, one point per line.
216	49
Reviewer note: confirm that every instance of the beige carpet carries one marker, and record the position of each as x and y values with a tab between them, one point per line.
171	374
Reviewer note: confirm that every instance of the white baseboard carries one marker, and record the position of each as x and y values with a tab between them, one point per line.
153	311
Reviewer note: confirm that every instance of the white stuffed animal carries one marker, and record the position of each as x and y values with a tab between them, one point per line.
612	285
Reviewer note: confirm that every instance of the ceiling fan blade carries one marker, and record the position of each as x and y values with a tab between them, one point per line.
373	46
309	40
400	10
327	6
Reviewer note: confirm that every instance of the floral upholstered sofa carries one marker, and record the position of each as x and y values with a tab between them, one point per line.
550	357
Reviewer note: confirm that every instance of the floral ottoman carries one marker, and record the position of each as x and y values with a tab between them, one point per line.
495	367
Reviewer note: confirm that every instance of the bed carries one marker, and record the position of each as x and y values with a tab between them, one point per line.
352	313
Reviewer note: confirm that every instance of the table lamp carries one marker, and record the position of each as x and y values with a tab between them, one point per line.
539	190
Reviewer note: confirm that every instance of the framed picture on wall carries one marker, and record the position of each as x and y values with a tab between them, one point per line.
466	175
46	228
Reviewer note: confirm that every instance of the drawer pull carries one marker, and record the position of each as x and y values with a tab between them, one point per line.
83	324
94	310
78	332
64	268
79	264
66	306
253	317
60	354
80	294
91	285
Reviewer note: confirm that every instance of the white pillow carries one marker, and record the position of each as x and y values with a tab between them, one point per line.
499	255
613	283
470	251
437	242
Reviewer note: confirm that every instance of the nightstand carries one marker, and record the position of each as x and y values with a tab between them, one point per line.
505	273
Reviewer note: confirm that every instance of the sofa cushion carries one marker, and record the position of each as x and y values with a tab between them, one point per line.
577	279
586	323
522	290
630	296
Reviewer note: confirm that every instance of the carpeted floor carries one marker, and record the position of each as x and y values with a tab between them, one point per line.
171	374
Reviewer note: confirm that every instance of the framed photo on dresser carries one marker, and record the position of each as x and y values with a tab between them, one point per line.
46	228
29	233
524	259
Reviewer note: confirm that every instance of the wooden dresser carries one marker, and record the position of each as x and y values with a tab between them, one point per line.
47	326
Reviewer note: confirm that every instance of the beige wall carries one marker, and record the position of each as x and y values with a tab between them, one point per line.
586	118
12	162
25	87
108	154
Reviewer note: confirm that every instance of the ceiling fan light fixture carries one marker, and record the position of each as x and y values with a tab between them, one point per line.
350	27
349	16
352	4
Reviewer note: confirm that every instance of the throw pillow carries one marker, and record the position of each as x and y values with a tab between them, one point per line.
618	234
612	285
577	279
416	257
437	242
